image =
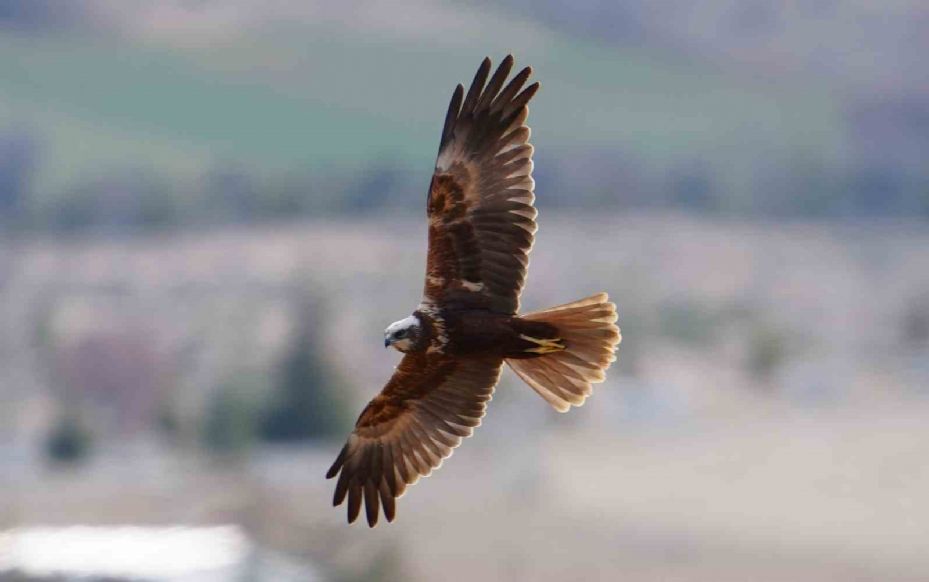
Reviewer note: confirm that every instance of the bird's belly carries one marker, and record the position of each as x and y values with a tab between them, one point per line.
478	333
486	333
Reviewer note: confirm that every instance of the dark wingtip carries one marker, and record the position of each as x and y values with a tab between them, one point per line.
483	71
337	464
354	509
526	95
338	496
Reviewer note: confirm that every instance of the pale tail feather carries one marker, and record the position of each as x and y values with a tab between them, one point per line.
591	336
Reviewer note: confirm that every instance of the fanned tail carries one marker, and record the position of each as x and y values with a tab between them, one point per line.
588	330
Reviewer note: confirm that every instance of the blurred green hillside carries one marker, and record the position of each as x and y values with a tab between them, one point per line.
299	99
308	117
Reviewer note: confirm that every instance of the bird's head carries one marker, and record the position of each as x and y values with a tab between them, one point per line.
404	335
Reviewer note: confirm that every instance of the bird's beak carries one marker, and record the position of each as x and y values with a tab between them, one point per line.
386	342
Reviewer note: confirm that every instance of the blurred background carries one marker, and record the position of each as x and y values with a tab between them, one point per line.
210	210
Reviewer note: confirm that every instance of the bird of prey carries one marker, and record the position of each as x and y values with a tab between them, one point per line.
481	228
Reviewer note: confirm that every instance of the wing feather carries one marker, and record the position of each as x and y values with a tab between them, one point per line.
480	206
454	107
430	404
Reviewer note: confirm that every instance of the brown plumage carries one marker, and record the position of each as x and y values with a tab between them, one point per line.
481	228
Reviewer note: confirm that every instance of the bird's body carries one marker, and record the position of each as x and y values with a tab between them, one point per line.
481	332
481	223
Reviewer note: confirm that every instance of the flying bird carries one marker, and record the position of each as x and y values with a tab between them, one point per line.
482	224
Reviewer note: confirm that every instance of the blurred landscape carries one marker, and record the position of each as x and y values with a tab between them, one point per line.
209	212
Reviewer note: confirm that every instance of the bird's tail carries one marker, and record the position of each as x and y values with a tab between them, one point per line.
588	338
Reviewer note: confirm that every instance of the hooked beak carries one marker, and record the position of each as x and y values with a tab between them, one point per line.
386	342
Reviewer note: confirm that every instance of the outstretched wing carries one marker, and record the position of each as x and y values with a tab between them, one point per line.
481	217
430	404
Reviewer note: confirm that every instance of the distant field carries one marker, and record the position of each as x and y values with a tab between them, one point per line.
834	300
692	462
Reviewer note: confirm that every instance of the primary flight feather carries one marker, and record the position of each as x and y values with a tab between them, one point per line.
481	228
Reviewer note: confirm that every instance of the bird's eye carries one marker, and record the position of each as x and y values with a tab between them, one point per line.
400	334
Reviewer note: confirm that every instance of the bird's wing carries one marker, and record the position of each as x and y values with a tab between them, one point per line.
430	403
480	206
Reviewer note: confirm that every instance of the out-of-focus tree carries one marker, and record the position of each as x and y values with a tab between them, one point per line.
916	324
384	185
766	351
307	404
691	186
18	154
689	322
231	422
125	200
69	441
231	195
